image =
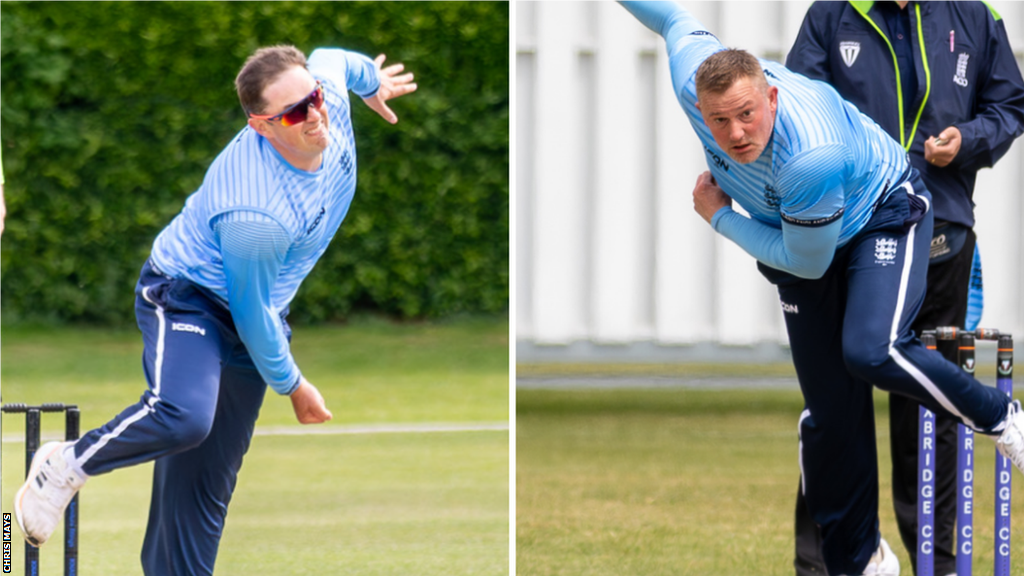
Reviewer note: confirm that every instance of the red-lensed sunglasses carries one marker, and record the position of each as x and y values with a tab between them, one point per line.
296	113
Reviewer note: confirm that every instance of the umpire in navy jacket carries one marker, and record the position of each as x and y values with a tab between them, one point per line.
941	79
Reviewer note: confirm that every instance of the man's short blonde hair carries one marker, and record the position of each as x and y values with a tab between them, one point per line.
722	69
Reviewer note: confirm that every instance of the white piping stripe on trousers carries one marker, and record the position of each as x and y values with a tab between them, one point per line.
800	457
158	367
901	361
904	275
146	409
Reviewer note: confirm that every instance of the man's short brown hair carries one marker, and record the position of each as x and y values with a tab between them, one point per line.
262	69
722	69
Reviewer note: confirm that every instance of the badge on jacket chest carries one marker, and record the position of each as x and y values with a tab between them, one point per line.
849	51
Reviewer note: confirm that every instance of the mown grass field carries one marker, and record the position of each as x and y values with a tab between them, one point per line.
678	481
366	502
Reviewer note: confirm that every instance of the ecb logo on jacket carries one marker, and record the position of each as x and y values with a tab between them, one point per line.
849	51
961	70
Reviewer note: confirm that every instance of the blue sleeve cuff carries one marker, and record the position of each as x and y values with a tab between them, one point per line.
291	389
721	213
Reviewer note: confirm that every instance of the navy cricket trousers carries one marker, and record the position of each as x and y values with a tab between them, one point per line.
849	331
195	420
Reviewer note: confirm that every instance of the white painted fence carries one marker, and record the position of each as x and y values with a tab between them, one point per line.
608	250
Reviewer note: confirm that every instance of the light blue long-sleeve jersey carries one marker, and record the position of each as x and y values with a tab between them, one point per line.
257	225
816	184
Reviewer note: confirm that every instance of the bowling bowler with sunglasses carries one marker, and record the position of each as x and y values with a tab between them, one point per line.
211	303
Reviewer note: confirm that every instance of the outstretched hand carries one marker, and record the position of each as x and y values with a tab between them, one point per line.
309	405
392	85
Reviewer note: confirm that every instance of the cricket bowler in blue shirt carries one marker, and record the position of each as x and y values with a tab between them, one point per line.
841	223
942	79
211	304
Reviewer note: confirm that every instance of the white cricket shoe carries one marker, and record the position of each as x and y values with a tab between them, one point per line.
1011	442
883	562
49	488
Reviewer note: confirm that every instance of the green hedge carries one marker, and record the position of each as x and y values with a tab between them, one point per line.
111	113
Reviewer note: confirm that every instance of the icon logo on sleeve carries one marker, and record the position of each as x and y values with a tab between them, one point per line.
718	160
316	222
